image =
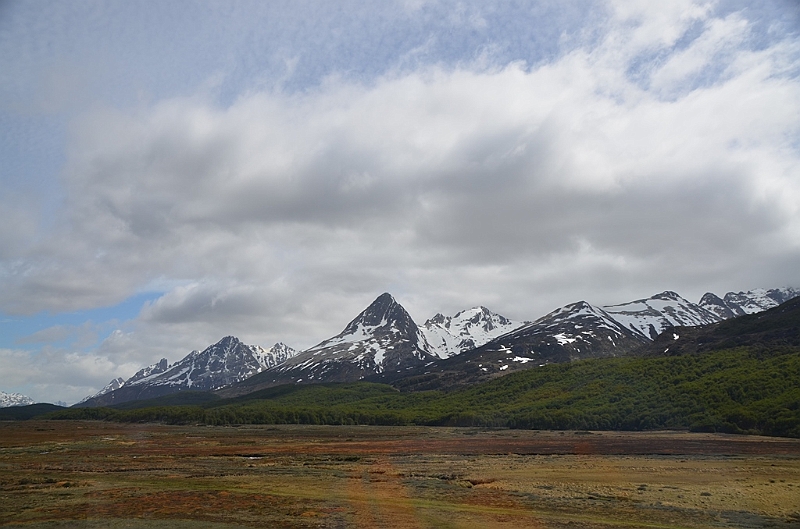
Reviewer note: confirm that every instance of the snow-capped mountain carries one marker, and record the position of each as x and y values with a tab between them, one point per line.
574	332
651	316
226	362
468	329
383	343
741	303
579	330
381	338
14	399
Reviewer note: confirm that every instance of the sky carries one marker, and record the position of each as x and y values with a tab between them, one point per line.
175	172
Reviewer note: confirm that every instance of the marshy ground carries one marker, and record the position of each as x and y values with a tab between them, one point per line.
96	474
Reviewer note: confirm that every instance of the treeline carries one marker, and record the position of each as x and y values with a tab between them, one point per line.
745	390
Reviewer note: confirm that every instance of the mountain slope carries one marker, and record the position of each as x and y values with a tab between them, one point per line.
108	388
574	332
774	329
226	362
381	338
652	316
468	329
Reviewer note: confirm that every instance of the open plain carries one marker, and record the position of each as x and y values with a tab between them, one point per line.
96	474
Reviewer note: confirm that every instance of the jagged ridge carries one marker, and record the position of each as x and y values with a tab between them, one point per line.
226	362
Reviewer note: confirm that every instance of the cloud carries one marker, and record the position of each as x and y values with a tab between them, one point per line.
48	372
658	151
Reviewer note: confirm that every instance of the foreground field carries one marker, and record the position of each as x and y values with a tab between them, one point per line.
97	474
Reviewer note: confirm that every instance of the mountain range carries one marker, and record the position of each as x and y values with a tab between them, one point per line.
384	344
14	399
224	363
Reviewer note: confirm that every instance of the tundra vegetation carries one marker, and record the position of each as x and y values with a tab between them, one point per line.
59	474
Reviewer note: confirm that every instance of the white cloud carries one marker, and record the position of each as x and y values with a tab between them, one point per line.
54	374
655	24
608	173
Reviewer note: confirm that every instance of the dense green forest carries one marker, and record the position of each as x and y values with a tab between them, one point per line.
751	389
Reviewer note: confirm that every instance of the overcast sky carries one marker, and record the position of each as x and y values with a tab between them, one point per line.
175	172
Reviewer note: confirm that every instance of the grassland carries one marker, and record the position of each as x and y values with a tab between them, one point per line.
103	474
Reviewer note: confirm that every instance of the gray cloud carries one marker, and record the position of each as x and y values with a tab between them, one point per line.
594	174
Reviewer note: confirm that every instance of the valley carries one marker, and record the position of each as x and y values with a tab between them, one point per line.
98	474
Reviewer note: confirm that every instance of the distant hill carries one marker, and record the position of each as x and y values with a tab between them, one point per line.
30	411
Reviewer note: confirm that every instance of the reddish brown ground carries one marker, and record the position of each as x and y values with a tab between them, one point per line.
95	474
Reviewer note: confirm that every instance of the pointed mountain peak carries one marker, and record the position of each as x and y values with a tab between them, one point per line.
438	319
385	298
382	337
578	306
667	295
228	341
383	311
710	297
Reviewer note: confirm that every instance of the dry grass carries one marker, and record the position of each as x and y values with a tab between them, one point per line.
93	474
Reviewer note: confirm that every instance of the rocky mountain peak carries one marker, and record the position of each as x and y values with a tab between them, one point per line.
468	329
668	295
438	319
228	341
715	304
384	311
